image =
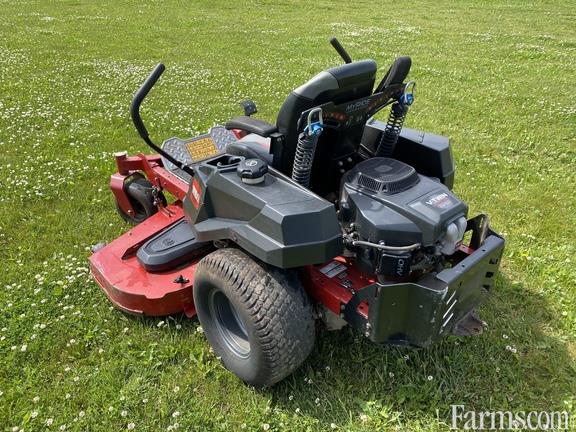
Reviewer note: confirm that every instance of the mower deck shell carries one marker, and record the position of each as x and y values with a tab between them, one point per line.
129	286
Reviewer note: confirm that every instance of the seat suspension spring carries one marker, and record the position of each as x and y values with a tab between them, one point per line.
304	158
389	137
395	121
306	148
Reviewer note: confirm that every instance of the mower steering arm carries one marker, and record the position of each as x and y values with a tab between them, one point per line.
139	124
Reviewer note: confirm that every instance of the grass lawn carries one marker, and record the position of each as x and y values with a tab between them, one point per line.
497	77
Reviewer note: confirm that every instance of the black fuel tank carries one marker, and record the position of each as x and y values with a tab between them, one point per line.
276	220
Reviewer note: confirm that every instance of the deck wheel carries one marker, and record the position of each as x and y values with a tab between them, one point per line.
139	191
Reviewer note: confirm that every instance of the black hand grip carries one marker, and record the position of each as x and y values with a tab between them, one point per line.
139	97
340	49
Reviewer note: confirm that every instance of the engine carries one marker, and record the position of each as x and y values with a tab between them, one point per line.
397	222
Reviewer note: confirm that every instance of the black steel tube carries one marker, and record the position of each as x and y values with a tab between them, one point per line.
139	97
139	124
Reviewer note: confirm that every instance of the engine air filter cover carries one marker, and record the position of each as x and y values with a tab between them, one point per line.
383	176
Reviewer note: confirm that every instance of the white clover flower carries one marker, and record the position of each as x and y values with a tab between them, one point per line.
175	414
124	413
23	348
430	377
34	414
130	426
265	426
49	422
333	426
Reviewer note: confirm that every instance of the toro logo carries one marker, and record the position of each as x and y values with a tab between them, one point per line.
195	193
440	201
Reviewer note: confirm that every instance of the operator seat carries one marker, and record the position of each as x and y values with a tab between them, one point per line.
339	84
337	148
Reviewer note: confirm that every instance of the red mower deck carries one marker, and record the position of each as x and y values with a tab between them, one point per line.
129	286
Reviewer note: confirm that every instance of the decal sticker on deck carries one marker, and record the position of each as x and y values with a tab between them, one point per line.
333	269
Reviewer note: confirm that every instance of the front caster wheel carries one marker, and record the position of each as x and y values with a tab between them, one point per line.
259	320
139	192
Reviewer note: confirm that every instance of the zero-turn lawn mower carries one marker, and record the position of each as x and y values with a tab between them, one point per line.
329	214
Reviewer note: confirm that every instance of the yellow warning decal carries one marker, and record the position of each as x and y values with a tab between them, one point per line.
202	148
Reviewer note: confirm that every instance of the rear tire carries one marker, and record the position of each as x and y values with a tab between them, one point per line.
139	192
259	320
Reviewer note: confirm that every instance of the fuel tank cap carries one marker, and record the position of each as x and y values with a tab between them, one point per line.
252	171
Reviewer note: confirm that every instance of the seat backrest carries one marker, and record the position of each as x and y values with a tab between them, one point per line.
339	85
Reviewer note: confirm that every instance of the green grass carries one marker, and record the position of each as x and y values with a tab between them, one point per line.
497	77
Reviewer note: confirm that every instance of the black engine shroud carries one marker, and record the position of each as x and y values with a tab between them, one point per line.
388	201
